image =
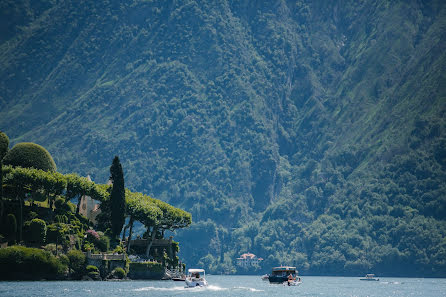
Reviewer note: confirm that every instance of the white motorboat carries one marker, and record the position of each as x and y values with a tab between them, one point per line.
295	282
369	277
196	278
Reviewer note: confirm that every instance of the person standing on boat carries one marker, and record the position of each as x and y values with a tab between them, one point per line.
290	279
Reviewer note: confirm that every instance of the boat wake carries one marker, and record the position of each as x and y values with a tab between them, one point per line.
159	289
207	288
392	283
248	289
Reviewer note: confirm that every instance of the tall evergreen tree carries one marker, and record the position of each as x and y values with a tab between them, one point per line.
4	144
117	197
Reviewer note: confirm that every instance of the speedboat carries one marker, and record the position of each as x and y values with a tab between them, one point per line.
369	277
196	278
265	277
293	282
284	274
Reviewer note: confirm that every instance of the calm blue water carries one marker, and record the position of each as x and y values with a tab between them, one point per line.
226	286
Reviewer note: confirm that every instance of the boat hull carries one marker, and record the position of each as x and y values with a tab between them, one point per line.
275	279
292	283
198	283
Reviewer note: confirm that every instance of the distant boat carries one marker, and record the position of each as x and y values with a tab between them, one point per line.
195	279
265	277
179	279
285	275
369	277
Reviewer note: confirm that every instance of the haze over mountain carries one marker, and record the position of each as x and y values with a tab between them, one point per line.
307	132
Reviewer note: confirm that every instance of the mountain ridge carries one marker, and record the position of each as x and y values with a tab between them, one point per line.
244	113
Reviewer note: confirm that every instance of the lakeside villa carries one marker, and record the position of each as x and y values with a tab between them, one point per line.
89	208
248	259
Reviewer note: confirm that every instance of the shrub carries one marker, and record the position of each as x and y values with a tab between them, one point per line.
71	207
119	273
27	155
119	249
93	272
94	275
18	263
91	268
32	215
55	232
64	260
11	227
103	243
76	262
62	219
37	231
51	247
92	235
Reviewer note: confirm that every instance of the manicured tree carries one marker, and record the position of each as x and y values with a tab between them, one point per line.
117	197
37	231
11	227
4	144
27	155
142	209
172	218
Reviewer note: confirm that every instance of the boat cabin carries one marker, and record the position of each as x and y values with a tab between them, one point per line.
284	271
281	274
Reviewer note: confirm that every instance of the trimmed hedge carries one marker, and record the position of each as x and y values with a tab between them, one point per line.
91	268
30	155
22	263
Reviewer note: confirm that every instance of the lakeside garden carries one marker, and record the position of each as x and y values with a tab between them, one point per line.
44	235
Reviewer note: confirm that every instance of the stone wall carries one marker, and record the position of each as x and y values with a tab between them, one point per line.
148	270
106	263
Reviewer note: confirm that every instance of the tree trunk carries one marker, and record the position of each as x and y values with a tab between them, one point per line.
21	219
78	207
123	232
2	205
152	237
130	233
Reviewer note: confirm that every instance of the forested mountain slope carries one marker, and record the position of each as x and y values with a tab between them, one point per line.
307	132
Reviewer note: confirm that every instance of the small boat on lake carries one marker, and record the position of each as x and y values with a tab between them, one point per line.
285	275
265	277
181	278
196	278
369	277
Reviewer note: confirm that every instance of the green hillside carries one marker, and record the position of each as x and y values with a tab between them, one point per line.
311	133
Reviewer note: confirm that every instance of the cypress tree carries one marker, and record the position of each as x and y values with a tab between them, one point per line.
4	144
117	197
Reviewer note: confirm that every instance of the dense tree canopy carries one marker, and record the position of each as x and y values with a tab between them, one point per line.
4	144
306	132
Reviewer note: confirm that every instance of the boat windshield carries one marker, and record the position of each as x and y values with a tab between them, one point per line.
197	273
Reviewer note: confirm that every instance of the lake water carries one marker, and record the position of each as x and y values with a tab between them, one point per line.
226	286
